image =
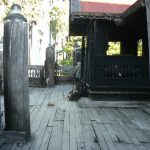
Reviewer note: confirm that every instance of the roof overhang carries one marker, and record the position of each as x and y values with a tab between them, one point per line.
79	21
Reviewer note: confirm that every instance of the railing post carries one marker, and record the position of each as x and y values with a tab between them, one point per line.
16	82
147	3
50	66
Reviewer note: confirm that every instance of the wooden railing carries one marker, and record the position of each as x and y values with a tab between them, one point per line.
120	71
64	73
36	75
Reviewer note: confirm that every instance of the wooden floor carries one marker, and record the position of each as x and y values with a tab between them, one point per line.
66	126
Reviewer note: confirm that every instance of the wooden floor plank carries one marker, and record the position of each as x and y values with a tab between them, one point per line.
118	129
65	138
46	138
128	132
106	134
103	116
123	146
137	132
79	132
93	115
101	140
66	126
60	114
73	136
52	117
36	123
85	119
56	137
39	134
89	137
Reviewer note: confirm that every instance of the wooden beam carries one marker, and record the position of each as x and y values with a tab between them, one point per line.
147	2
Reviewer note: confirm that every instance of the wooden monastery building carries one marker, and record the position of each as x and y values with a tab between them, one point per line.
100	23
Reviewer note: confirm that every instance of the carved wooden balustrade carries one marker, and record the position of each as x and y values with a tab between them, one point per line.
64	74
36	75
119	71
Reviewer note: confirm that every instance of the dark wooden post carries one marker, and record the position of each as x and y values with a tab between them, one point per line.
50	66
145	45
0	115
82	56
16	82
101	38
129	45
147	2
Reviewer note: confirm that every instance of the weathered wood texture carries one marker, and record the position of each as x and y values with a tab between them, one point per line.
1	72
0	115
50	66
36	75
147	2
123	71
64	74
16	91
66	126
118	71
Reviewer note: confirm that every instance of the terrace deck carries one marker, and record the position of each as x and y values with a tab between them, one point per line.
60	124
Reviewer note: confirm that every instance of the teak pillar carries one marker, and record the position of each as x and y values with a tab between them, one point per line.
50	66
82	57
129	45
147	3
16	82
101	38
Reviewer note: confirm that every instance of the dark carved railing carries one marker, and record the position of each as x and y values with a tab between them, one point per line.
36	75
120	71
64	73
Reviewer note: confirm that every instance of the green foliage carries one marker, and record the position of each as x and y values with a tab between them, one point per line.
114	48
140	45
30	8
68	50
56	24
4	10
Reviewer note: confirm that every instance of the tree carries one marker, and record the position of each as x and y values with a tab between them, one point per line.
56	23
31	9
67	50
114	48
140	49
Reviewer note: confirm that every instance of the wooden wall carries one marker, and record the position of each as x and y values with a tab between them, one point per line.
147	2
1	72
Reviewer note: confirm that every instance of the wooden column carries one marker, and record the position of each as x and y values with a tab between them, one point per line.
82	56
145	46
101	38
16	82
129	46
123	47
147	3
50	66
0	116
90	55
